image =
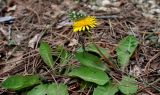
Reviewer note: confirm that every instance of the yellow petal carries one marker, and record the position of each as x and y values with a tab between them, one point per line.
84	24
87	27
75	29
83	28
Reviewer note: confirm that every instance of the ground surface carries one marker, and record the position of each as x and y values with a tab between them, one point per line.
45	20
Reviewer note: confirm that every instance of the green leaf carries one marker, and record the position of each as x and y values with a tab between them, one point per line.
49	89
46	53
108	89
18	82
39	90
128	85
90	60
125	49
92	48
63	54
60	89
90	74
64	57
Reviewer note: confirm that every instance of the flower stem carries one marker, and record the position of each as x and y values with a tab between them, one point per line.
81	41
104	57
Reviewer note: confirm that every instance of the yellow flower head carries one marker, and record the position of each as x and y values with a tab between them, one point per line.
84	24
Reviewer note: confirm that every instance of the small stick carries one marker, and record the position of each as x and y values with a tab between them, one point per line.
148	64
